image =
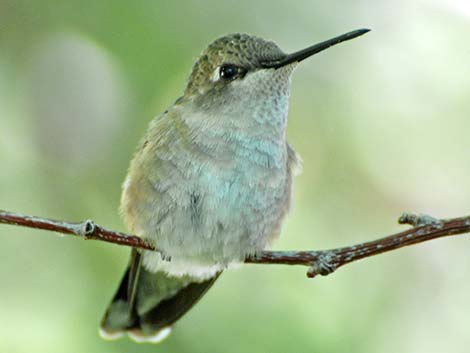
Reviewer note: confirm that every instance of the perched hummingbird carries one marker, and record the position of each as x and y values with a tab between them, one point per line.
210	183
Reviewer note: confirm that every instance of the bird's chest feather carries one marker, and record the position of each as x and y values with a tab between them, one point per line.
243	196
224	207
212	198
243	175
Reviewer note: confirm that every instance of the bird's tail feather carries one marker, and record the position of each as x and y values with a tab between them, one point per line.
147	304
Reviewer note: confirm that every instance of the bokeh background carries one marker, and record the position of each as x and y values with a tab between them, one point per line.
382	123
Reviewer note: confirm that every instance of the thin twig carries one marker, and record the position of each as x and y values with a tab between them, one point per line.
321	262
86	229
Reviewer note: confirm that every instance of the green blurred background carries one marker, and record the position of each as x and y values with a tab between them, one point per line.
382	123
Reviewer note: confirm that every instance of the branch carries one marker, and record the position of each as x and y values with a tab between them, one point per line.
321	262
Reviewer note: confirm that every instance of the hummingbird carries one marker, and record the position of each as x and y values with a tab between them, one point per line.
210	183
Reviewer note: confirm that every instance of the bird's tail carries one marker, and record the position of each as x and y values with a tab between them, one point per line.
147	304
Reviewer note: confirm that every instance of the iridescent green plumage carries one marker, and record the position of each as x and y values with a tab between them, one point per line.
244	50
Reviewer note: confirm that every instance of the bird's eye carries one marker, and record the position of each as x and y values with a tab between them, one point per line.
228	72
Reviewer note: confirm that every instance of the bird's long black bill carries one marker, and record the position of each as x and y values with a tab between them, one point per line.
316	48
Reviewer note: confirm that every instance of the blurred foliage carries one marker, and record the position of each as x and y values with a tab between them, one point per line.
381	122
